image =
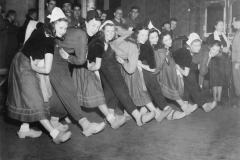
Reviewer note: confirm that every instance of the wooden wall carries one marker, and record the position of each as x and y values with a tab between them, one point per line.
187	13
158	11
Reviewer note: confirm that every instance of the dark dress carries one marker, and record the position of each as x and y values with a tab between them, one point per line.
183	58
168	79
25	100
220	66
88	83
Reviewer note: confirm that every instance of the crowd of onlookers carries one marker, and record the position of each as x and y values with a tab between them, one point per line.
12	33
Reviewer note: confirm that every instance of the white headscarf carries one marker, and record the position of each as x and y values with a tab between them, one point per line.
150	26
56	14
193	36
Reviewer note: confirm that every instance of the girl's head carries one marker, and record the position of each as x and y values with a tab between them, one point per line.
219	26
141	34
194	42
166	39
107	30
215	47
153	36
92	22
58	23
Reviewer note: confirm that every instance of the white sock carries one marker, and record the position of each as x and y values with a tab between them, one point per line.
54	133
166	107
111	118
24	127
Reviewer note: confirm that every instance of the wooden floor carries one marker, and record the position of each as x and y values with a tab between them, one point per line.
199	136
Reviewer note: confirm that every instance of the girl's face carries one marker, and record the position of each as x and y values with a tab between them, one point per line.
61	28
142	36
196	46
109	32
220	26
92	27
214	50
153	38
167	41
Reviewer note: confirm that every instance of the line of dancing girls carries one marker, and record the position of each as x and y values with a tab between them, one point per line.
136	71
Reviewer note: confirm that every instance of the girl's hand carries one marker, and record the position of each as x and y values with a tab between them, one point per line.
178	67
120	60
105	46
63	53
90	65
33	63
139	63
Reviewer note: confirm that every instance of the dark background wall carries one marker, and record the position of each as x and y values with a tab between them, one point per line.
158	11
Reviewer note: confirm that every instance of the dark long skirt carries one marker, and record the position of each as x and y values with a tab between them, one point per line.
220	71
169	80
136	88
89	88
25	100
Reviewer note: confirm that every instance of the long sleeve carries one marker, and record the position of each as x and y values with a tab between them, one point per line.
203	64
236	48
127	51
3	25
75	41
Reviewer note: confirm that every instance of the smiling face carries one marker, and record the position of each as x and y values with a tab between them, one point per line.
196	46
76	11
66	7
109	32
134	13
214	50
167	26
167	41
142	36
61	28
220	26
153	38
92	27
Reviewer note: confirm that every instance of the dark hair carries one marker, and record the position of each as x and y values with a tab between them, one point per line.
237	17
135	7
32	11
165	23
51	0
11	12
215	43
155	46
83	25
104	12
136	31
118	8
76	5
101	32
216	23
163	34
50	29
173	19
